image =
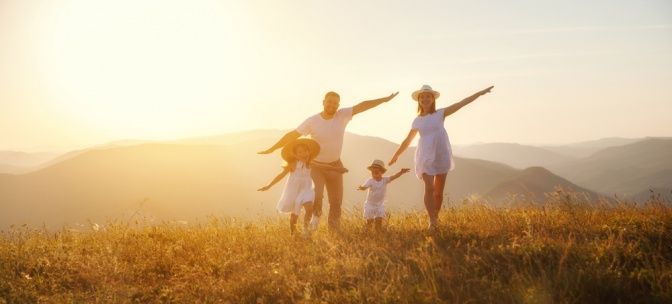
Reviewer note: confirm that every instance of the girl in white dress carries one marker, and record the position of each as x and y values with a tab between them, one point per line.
298	191
433	156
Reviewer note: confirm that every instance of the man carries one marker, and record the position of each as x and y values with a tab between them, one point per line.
328	129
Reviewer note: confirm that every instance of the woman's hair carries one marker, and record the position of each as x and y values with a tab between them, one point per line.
291	164
432	109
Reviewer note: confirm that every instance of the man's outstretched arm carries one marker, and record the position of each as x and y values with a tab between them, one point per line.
365	105
291	135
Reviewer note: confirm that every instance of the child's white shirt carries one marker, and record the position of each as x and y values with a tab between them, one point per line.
377	195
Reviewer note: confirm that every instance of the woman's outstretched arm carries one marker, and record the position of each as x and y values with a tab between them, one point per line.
456	106
404	145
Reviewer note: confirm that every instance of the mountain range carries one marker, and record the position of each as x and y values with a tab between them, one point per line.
197	178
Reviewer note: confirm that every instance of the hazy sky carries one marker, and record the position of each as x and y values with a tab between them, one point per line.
80	73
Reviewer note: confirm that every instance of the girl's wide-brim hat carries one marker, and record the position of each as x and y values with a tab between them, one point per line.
425	89
288	150
377	164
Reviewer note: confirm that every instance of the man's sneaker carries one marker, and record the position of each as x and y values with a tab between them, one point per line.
306	233
313	222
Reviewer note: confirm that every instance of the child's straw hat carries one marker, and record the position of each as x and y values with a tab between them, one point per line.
377	164
288	150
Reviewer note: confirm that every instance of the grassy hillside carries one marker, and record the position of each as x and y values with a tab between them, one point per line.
567	251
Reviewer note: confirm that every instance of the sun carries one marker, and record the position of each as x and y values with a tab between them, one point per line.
141	69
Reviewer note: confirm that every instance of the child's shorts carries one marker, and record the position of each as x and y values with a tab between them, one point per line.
373	211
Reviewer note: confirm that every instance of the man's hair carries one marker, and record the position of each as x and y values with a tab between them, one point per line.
332	93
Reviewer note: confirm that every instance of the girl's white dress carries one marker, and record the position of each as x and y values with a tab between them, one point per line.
434	154
298	190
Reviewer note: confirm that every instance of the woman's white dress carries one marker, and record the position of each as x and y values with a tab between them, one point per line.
298	190
434	154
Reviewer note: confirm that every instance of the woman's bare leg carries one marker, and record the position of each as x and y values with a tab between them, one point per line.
439	185
428	180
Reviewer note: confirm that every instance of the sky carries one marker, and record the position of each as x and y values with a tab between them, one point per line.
80	73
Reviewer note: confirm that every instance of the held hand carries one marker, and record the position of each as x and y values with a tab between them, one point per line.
362	188
341	170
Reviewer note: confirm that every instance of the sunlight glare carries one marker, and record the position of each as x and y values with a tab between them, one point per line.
124	68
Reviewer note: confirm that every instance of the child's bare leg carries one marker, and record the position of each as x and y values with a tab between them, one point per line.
309	214
292	222
369	223
379	223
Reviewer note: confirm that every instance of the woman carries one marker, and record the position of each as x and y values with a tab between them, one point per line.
433	157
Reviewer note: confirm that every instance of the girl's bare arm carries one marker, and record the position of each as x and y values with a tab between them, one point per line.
278	178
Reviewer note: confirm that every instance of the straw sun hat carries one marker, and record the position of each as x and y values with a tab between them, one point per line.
425	89
377	164
288	150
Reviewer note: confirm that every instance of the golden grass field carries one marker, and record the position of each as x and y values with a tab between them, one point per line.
563	248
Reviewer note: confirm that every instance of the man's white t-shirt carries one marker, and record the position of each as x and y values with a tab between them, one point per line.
328	133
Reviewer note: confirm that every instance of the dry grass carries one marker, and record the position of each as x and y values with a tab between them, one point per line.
566	249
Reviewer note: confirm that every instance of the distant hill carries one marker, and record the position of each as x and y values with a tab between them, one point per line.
21	162
654	193
532	185
613	166
193	179
586	148
624	170
523	156
515	155
5	168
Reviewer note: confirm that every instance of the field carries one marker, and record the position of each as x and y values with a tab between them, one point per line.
563	248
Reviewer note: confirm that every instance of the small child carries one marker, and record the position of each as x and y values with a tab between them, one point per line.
298	191
374	207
